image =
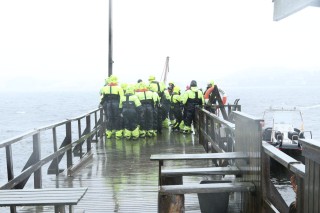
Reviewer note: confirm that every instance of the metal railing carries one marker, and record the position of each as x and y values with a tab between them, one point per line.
85	129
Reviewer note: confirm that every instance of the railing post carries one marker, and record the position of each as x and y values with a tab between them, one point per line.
200	129
79	135
55	148
300	193
37	156
10	171
96	124
311	150
88	127
68	142
101	124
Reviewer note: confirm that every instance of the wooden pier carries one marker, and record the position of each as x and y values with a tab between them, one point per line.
119	176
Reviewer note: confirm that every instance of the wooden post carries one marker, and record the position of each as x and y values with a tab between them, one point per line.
170	203
68	141
37	156
79	135
10	171
311	150
102	125
96	124
88	127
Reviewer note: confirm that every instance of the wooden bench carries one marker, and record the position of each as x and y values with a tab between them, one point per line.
58	197
172	189
197	171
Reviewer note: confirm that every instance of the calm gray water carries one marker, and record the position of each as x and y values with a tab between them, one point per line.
21	112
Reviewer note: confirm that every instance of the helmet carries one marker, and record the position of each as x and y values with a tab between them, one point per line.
152	78
124	86
211	83
130	89
141	86
113	79
176	89
193	83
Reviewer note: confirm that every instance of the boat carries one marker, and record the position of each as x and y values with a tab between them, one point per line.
282	128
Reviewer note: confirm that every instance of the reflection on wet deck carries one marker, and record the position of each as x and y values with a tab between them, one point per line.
122	178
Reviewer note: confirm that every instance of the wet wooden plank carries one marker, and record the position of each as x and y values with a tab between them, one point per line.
200	156
201	171
35	197
207	188
121	177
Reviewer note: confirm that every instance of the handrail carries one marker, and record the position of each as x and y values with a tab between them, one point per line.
35	162
210	127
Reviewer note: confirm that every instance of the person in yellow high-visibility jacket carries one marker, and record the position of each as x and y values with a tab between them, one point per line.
130	107
190	99
110	97
148	101
176	108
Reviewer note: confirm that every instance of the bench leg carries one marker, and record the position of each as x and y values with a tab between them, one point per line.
70	208
13	209
171	203
59	209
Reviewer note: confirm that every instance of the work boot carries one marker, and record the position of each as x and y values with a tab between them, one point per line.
127	134
108	134
118	134
135	133
150	133
142	133
181	125
165	123
187	130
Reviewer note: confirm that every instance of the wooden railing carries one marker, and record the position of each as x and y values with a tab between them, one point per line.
72	134
219	135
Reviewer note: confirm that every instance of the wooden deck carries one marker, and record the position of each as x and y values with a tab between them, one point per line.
121	177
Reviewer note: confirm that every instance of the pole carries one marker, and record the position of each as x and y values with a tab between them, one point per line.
110	60
165	71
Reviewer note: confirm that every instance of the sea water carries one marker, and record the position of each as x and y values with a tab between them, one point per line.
22	112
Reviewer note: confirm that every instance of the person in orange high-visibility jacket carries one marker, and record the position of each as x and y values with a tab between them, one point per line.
111	94
190	99
130	107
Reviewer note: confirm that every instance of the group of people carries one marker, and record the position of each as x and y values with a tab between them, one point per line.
144	108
